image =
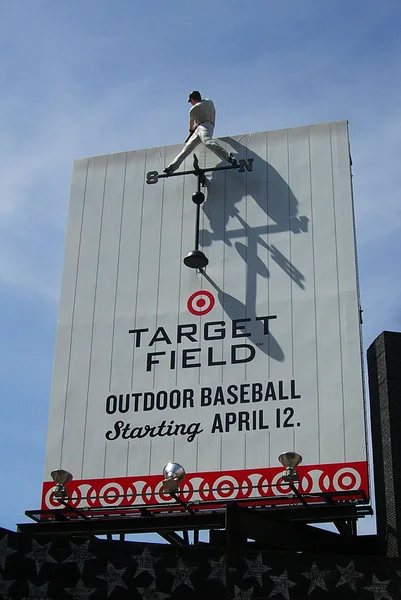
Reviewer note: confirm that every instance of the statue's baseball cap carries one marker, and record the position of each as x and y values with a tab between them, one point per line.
195	95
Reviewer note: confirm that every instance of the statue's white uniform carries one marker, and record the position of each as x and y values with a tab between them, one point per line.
203	113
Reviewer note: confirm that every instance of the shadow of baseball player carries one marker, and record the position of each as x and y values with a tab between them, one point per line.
273	195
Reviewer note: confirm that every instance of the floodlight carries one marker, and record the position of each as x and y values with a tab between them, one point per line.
173	474
196	259
60	478
290	460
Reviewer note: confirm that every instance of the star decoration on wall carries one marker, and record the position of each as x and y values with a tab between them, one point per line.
316	578
379	589
282	585
5	585
218	569
5	550
40	554
38	591
114	578
79	555
80	591
256	568
348	575
182	574
146	563
151	593
242	594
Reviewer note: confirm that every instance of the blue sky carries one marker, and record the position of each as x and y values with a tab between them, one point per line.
87	78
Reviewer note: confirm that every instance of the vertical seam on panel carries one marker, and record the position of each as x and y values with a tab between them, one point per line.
138	267
159	267
338	290
223	272
266	286
202	221
127	462
118	271
358	293
290	249
150	457
104	459
201	225
93	318
202	278
246	270
202	283
180	276
314	294
73	313
268	251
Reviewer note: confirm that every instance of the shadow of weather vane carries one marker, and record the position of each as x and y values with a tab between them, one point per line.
260	332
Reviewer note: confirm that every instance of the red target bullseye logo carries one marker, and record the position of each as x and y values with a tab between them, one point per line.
200	303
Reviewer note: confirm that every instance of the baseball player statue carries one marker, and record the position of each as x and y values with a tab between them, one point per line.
201	125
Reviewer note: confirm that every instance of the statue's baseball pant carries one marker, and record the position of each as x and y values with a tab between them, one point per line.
203	133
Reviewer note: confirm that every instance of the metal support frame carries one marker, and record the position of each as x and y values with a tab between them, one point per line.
196	259
153	176
231	525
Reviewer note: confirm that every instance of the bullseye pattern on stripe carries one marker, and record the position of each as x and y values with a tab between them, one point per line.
266	485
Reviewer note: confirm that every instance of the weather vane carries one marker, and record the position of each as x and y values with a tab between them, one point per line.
196	259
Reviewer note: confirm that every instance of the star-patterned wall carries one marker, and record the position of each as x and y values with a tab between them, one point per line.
78	568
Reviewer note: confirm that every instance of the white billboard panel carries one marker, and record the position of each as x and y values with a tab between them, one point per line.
223	370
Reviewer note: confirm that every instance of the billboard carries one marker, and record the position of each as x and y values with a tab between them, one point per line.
220	370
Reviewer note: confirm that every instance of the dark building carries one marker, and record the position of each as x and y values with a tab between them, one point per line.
384	365
65	567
